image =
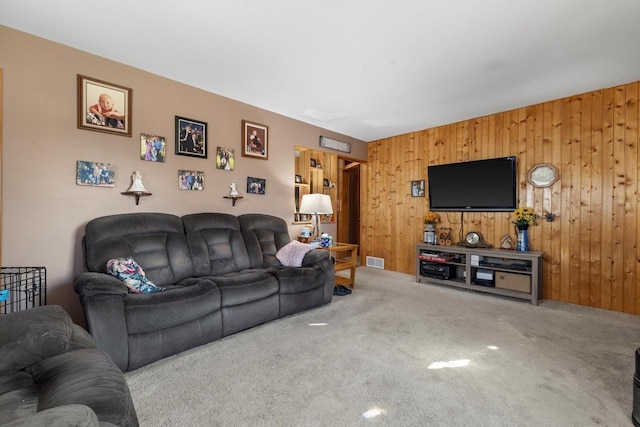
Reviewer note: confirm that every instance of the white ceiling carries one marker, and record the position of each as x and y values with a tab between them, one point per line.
368	69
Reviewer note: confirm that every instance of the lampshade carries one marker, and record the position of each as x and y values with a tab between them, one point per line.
316	203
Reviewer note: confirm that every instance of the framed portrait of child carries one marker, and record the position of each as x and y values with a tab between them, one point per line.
103	106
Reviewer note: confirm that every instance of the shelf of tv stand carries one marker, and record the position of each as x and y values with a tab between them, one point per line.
506	261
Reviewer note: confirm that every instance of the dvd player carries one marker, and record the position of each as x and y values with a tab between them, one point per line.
437	270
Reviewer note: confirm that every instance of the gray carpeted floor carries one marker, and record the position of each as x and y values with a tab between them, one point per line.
398	353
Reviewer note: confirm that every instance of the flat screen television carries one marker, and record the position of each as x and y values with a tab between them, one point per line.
476	186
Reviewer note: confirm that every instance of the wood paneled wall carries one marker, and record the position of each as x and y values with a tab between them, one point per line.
591	249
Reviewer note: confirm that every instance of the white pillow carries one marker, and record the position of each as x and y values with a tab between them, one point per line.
292	254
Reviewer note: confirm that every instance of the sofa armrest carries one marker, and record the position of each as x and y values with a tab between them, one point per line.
85	377
321	259
28	336
102	297
99	283
314	257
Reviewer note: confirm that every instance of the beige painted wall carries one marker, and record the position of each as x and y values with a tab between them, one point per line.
44	211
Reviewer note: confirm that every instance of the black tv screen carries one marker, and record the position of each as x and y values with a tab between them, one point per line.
477	186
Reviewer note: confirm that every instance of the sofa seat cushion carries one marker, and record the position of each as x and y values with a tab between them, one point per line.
177	305
86	377
18	396
246	286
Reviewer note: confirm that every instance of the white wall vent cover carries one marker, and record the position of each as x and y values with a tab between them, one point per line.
375	262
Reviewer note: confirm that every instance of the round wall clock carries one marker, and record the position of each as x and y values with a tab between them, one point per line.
543	175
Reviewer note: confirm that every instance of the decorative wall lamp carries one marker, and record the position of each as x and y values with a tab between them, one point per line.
316	204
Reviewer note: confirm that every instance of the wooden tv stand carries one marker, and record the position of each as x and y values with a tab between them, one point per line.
514	274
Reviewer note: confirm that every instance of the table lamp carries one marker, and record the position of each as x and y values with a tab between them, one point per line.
316	204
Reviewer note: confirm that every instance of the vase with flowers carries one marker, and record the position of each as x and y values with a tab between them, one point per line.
430	221
523	218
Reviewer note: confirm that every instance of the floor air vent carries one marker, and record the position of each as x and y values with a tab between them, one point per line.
375	262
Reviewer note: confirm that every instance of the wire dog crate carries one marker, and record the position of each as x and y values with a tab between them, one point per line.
22	288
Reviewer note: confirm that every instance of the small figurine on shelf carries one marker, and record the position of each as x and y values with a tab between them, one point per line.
506	242
137	186
444	238
233	192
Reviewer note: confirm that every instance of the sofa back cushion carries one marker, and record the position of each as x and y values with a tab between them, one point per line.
216	243
156	241
264	235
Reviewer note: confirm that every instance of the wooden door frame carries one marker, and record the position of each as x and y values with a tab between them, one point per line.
362	164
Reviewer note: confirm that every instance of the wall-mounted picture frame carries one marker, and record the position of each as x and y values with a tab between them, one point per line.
191	137
298	179
325	182
543	175
95	174
225	159
190	180
256	185
153	148
417	188
104	107
312	163
255	140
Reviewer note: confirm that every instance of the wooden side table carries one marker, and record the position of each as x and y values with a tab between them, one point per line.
344	264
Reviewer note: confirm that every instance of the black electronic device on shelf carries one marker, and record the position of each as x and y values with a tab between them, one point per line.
437	270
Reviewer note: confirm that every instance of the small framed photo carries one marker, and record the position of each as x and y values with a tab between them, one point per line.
312	163
225	159
191	137
95	174
298	179
103	106
255	140
190	180
318	165
325	182
256	185
417	188
153	148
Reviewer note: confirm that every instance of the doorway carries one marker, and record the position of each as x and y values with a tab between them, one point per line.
349	195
